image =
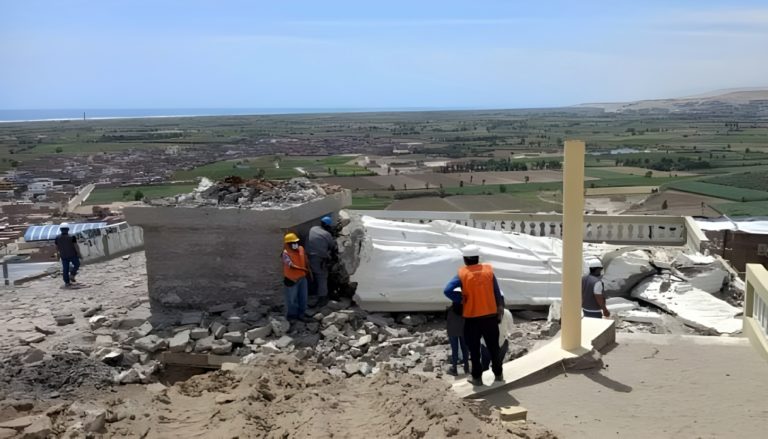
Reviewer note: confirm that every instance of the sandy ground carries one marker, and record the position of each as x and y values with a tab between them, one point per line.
679	203
654	386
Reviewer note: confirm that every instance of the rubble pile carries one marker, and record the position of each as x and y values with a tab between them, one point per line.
253	194
276	397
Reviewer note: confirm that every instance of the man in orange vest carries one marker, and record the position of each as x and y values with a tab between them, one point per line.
295	272
483	307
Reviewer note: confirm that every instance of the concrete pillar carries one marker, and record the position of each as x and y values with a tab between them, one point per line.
573	230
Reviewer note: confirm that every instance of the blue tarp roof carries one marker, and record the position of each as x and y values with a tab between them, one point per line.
49	232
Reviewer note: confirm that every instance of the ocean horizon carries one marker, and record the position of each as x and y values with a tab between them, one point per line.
32	115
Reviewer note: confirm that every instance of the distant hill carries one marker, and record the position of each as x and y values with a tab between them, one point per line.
748	102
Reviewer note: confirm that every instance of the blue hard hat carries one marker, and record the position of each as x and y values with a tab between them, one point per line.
326	220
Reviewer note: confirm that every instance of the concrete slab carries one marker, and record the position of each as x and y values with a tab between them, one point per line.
514	413
595	333
206	361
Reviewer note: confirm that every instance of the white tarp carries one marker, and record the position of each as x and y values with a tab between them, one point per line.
693	306
407	265
756	225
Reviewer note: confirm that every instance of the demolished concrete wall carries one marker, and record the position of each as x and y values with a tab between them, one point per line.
199	256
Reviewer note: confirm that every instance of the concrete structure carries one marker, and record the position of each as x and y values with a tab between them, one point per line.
573	245
756	308
614	229
202	256
111	241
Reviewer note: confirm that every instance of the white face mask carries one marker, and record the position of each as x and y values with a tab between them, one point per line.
295	245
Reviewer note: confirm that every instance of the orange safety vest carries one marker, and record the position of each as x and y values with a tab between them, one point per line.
477	290
299	261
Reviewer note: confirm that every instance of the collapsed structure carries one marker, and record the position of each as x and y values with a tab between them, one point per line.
221	243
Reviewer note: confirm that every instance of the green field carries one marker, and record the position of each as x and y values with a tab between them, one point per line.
370	203
748	180
719	191
111	195
754	208
275	167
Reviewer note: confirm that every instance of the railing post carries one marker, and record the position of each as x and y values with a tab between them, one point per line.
5	272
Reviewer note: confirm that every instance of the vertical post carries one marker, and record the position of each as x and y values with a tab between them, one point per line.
5	272
573	237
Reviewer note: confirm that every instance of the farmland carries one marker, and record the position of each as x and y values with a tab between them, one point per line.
719	191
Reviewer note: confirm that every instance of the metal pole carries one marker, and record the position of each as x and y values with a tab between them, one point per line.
573	238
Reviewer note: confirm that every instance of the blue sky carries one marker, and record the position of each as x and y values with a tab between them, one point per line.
366	54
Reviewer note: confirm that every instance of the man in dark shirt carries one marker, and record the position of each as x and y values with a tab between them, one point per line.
69	253
321	250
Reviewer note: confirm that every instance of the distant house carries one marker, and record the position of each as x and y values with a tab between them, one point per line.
40	186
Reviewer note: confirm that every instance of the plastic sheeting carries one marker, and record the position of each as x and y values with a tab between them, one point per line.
756	225
404	266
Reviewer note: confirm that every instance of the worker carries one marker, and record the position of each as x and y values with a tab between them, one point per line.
295	272
455	329
592	287
322	250
69	253
482	308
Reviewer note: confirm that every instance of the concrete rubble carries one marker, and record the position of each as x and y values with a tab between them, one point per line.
251	194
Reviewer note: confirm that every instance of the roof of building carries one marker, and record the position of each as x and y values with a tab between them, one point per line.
51	231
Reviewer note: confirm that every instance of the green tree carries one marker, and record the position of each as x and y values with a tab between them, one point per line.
335	172
126	193
60	149
461	183
526	179
502	189
664	205
138	195
649	174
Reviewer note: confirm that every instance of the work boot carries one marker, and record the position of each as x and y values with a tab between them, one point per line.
476	381
499	378
322	301
452	371
466	368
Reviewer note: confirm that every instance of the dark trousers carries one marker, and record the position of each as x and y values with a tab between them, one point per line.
593	314
457	342
66	271
486	328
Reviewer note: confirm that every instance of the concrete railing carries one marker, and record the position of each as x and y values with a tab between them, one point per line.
615	229
111	241
756	308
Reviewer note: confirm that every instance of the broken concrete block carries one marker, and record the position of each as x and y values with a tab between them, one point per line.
221	347
351	368
238	327
204	344
198	333
142	331
156	387
97	322
95	420
218	330
90	312
41	428
514	413
7	433
284	341
150	343
178	342
554	311
331	333
428	366
234	337
19	423
270	348
33	355
112	357
365	369
262	333
280	327
134	318
45	330
335	318
364	340
64	319
225	398
29	338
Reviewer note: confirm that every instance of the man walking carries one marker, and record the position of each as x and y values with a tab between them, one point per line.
69	253
482	309
592	299
321	249
295	271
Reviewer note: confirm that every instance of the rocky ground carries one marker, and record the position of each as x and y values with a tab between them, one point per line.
101	342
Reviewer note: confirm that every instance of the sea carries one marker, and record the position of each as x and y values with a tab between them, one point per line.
101	113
